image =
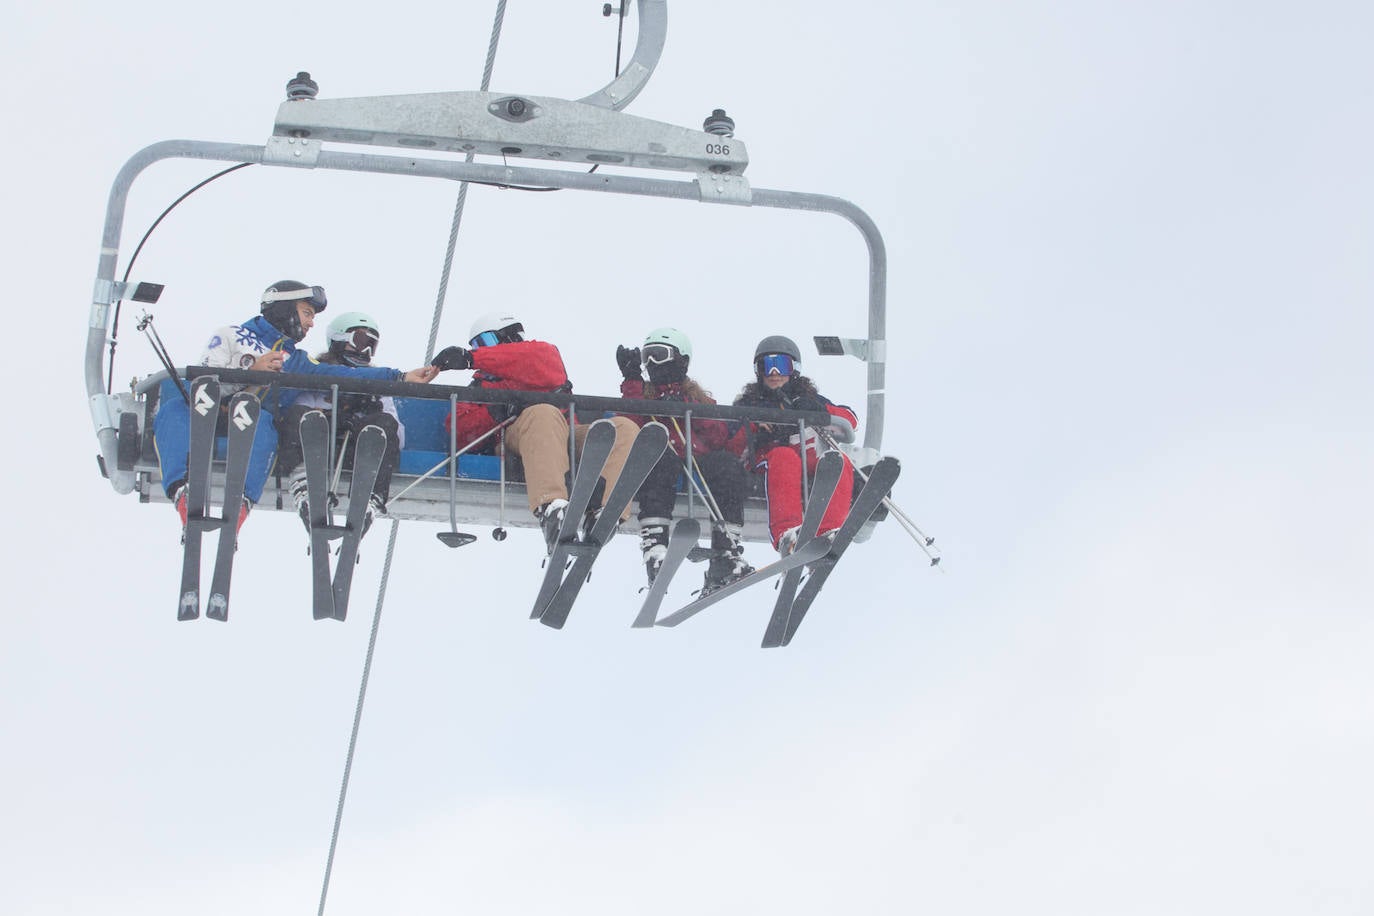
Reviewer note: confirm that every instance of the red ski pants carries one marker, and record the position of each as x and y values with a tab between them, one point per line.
783	484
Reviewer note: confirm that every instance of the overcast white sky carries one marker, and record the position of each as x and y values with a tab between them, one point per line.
1130	333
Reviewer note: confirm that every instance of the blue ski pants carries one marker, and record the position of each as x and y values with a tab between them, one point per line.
172	439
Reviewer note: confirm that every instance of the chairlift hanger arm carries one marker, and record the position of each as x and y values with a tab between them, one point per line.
653	29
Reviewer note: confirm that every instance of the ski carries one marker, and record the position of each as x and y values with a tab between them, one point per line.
828	470
797	558
204	415
244	410
315	456
683	540
596	448
880	481
367	461
650	443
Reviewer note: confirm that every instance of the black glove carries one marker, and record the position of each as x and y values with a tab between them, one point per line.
452	358
807	403
628	359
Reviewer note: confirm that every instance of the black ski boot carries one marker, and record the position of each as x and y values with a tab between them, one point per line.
727	558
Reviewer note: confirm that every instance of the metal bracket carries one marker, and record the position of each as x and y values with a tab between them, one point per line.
105	411
866	350
297	151
718	188
499	124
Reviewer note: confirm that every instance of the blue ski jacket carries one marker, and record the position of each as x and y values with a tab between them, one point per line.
236	347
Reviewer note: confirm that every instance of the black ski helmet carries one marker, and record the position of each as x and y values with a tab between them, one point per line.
279	305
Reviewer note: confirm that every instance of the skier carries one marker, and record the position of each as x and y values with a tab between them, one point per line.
353	341
266	342
666	354
503	359
777	451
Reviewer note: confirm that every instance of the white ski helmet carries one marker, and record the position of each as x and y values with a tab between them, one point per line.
503	326
666	353
672	337
353	338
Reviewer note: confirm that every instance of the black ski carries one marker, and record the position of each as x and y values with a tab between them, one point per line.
244	409
596	448
650	443
683	540
828	470
880	481
367	461
204	415
797	558
315	457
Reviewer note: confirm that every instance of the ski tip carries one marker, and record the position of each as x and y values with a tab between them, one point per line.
189	609
218	609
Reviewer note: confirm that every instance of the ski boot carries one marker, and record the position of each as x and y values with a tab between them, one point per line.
727	558
653	544
550	517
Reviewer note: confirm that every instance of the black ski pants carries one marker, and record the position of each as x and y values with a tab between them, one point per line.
289	442
725	479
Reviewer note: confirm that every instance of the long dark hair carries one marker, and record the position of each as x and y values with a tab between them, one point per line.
798	386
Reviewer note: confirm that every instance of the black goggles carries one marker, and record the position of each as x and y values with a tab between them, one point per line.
314	295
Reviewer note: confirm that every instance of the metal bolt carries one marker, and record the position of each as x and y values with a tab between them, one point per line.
719	123
301	88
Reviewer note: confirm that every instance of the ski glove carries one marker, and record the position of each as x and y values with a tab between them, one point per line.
452	358
807	403
628	359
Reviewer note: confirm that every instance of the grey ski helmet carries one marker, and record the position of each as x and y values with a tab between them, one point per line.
776	355
778	344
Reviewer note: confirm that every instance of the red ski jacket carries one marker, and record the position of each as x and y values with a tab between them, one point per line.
524	365
707	435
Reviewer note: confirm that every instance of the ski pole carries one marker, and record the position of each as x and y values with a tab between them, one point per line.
908	525
145	325
338	468
703	489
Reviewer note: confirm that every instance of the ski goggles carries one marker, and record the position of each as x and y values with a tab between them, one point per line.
313	294
492	338
659	353
775	364
363	341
